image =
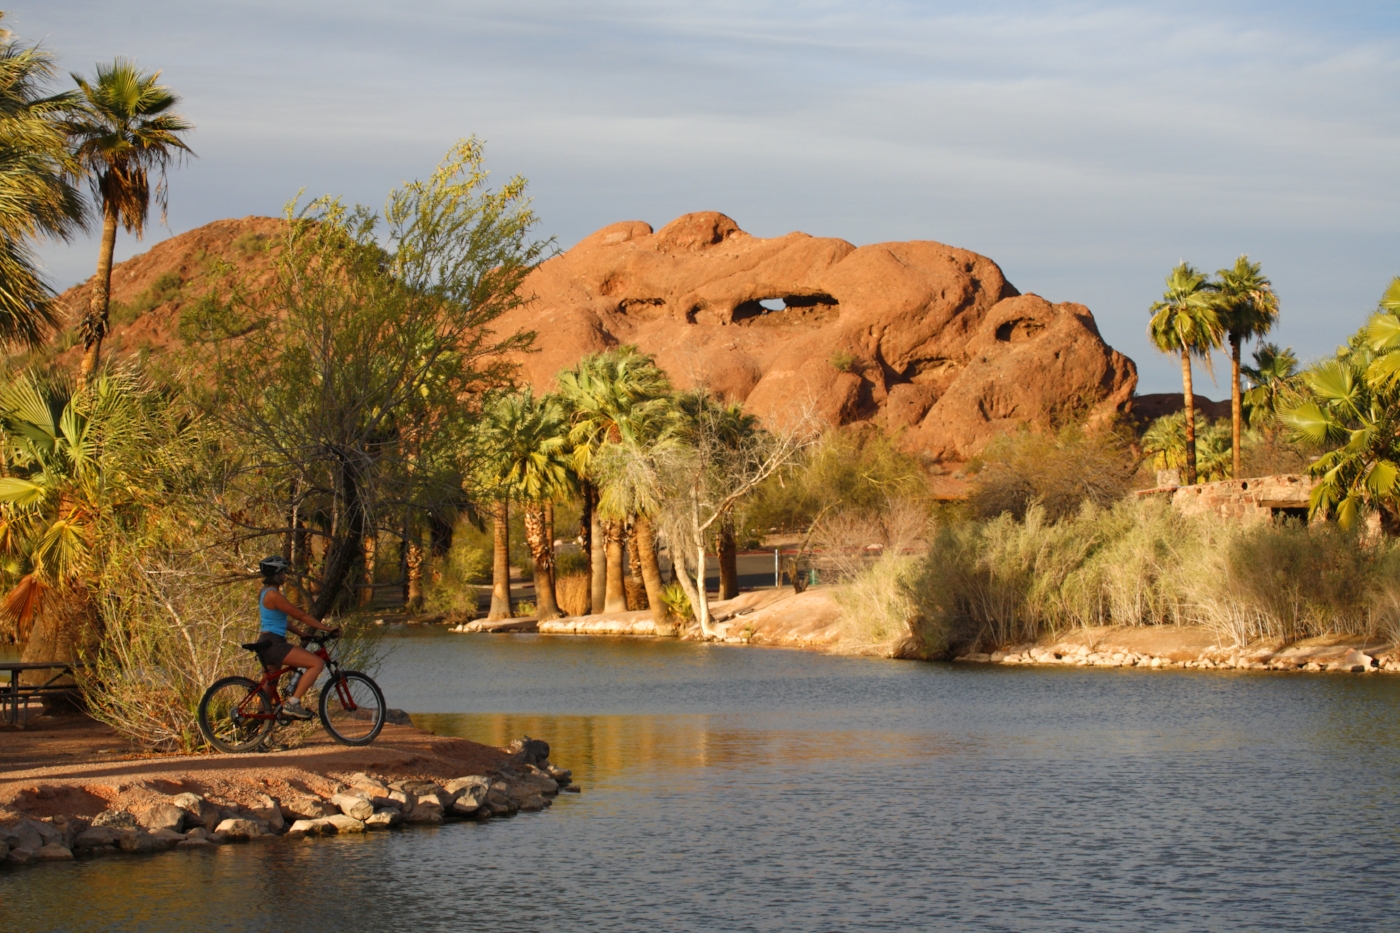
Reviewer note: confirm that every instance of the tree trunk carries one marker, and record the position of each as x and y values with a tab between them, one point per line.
597	558
728	562
94	326
651	569
1235	405
414	598
1189	400
344	549
637	595
500	563
699	599
439	543
585	533
371	549
615	595
538	537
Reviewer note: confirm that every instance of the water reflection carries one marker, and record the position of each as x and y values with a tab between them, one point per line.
736	789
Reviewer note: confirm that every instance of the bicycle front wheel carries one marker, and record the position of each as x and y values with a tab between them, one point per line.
234	715
352	708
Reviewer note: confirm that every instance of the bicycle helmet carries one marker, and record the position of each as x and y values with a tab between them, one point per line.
272	566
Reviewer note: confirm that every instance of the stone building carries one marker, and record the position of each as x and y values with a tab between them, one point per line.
1258	499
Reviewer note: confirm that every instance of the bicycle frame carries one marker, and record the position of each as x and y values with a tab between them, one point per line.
271	678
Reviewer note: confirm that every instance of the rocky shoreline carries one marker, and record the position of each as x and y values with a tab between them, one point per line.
53	820
1312	656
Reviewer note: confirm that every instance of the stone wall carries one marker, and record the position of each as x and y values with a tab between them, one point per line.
1258	499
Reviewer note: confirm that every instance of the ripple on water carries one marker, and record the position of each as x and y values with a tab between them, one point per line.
741	789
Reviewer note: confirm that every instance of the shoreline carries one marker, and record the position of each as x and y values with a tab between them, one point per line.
136	804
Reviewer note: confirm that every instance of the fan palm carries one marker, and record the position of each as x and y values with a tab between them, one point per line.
1187	322
37	197
1248	308
1164	442
1271	376
530	463
123	131
612	397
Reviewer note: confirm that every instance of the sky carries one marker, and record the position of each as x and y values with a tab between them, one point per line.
1085	147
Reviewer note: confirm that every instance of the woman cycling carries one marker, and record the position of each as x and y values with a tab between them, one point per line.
275	650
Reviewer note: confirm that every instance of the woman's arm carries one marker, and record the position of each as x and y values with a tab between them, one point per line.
278	601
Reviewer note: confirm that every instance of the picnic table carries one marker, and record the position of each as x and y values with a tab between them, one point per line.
15	696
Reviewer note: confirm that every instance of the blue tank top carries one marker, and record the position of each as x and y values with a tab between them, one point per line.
273	620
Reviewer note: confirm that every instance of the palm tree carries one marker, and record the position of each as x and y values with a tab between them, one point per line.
1186	321
67	457
1164	442
123	130
37	196
612	397
1248	308
1272	376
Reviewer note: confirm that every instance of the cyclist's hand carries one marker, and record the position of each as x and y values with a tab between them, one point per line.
333	632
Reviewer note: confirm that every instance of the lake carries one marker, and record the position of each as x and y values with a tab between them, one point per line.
730	788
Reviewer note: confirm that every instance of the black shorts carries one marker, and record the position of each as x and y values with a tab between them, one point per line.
273	649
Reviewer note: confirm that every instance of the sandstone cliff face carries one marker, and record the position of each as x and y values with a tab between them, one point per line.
917	337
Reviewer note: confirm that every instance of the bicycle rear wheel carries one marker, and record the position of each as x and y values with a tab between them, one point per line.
231	715
352	708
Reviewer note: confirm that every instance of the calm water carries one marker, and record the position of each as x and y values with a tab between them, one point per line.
743	789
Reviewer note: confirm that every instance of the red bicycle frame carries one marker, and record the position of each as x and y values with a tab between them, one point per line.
272	677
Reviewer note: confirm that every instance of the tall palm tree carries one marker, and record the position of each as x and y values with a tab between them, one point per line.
123	131
612	397
37	195
1272	376
533	466
1248	308
1186	321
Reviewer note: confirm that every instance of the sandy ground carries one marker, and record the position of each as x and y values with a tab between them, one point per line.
73	766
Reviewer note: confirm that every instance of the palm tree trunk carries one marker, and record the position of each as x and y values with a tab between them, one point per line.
597	556
500	563
1189	401
371	552
651	569
728	562
1235	405
636	592
615	595
585	532
542	550
95	323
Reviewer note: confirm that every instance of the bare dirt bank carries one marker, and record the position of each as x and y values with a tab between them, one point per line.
71	786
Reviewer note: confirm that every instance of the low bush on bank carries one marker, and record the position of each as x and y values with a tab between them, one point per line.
1142	563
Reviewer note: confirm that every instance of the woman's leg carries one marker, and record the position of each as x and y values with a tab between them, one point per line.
300	657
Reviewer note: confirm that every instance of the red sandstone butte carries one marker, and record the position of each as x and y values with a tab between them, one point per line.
916	337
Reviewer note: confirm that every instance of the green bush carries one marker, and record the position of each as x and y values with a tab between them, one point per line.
677	603
1060	470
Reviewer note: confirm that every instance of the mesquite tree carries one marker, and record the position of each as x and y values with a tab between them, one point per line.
349	382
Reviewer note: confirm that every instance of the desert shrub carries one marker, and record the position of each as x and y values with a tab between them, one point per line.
450	585
878	606
1060	470
1143	563
571	561
165	288
571	593
843	361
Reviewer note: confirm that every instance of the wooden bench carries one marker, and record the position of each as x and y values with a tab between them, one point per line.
15	696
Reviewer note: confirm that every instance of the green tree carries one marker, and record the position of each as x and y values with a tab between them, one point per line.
612	397
1271	380
350	384
1248	309
1186	322
123	131
1164	442
1350	407
37	196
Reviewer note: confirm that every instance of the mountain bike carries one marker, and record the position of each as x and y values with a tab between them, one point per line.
238	714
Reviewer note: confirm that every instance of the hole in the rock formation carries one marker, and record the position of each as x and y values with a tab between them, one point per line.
645	309
1018	329
937	372
787	309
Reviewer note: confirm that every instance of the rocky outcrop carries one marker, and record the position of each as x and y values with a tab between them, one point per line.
922	339
917	337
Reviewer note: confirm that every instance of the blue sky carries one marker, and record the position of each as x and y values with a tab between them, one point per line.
1086	147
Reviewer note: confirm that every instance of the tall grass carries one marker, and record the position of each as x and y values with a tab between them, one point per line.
1142	563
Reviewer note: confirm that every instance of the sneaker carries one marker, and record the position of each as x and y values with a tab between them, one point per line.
293	709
